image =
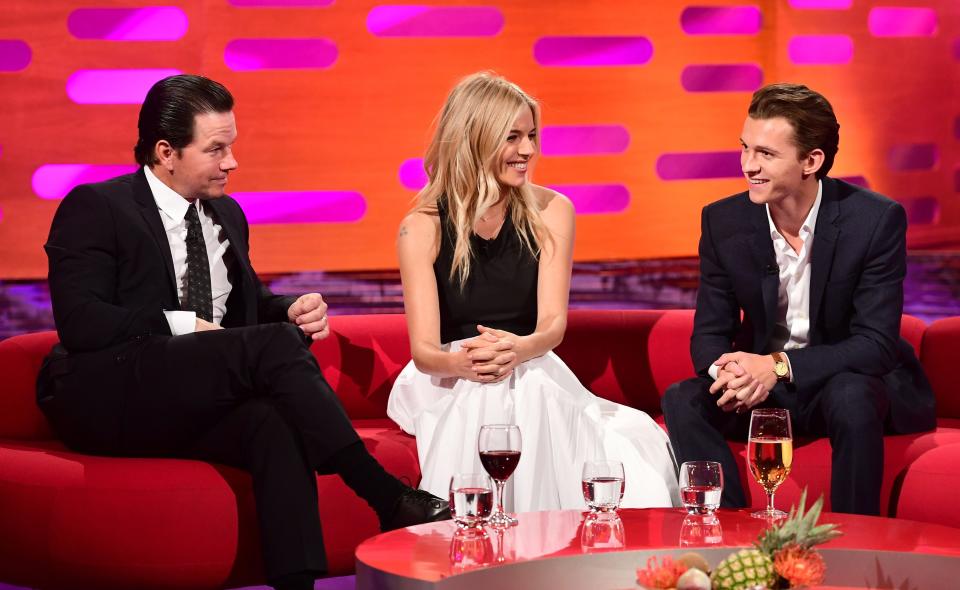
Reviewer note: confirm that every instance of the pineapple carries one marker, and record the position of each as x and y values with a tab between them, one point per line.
798	529
754	568
747	568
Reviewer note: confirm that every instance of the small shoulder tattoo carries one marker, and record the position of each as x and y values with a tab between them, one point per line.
403	230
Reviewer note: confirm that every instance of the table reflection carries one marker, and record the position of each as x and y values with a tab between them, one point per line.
470	548
602	532
698	530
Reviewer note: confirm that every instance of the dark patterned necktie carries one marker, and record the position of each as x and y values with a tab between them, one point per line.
199	298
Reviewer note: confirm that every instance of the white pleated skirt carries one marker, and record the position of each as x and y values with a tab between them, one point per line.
562	425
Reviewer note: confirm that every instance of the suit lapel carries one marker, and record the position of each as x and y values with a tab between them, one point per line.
237	244
241	308
824	245
765	260
151	216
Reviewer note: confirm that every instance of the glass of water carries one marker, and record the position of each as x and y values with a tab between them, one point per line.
471	499
701	483
603	485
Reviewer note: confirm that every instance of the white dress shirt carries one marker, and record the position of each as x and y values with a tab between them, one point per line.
173	209
793	294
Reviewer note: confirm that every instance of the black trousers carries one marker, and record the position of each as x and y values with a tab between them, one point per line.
251	397
851	409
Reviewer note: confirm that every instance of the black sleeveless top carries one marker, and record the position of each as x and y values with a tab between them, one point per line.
501	291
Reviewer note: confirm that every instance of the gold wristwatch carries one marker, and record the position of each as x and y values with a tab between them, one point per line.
780	367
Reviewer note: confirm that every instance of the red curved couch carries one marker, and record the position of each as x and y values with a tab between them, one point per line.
69	520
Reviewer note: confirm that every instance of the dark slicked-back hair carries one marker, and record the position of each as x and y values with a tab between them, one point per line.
810	115
169	109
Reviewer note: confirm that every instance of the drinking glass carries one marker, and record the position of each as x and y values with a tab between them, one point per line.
701	483
471	499
770	453
499	446
603	485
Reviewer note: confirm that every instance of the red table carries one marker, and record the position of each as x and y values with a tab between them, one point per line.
558	550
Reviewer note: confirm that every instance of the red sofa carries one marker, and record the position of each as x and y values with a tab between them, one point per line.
74	520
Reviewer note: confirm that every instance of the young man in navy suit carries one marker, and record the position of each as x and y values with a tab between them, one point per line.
171	346
799	306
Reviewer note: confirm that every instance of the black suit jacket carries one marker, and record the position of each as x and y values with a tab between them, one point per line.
111	272
111	277
856	295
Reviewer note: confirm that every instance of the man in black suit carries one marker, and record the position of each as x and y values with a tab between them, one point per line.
799	306
171	346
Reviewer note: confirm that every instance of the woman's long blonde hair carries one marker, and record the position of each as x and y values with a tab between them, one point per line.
463	161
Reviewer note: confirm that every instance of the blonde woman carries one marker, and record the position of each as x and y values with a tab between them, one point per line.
485	259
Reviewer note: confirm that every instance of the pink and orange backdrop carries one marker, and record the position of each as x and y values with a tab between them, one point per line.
643	103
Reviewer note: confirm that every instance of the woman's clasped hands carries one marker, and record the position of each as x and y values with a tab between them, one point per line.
491	355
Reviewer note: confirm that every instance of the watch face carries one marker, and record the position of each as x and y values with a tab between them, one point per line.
780	369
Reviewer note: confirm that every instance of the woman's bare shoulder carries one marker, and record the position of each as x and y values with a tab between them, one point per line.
552	203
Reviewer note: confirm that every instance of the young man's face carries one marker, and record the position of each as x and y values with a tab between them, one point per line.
770	160
200	170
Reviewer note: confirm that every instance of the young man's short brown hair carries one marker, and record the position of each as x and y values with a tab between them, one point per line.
809	113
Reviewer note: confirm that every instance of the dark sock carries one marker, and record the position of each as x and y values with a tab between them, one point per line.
297	581
365	476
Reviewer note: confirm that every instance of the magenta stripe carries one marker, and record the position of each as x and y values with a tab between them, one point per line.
302	207
902	22
915	156
15	55
280	3
592	199
697	165
956	127
113	86
721	20
857	180
159	23
592	51
412	174
582	140
721	78
821	49
822	4
54	181
923	210
243	55
434	21
956	180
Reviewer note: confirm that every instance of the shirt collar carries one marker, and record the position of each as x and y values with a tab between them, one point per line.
809	224
168	200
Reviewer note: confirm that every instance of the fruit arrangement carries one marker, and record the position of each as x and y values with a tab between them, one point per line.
782	557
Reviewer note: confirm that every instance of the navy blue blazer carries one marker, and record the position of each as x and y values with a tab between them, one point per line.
856	295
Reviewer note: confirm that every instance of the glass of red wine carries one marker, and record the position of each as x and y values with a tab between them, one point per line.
499	446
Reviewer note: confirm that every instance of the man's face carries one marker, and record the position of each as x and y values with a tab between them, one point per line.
200	170
770	161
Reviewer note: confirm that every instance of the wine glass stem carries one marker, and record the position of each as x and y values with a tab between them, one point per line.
770	507
499	495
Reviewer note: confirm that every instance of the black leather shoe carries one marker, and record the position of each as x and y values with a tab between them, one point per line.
415	507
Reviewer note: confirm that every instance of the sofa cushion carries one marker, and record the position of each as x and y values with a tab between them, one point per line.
20	418
812	466
928	487
160	522
939	357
